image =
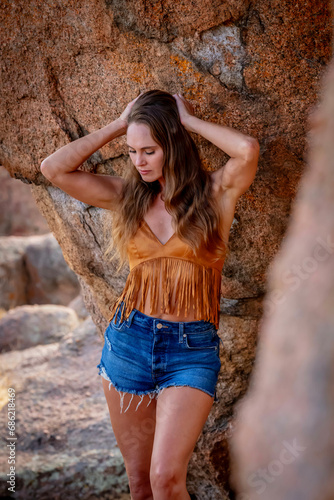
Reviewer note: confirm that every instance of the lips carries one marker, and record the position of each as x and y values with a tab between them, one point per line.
144	171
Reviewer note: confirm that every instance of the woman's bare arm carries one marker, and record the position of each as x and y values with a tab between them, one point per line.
230	140
239	171
94	189
61	167
68	158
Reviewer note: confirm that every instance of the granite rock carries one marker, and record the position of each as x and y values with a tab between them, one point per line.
255	66
27	326
33	271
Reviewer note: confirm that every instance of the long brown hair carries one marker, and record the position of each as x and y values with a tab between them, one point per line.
187	195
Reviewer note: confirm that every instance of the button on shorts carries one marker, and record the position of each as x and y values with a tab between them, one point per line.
143	355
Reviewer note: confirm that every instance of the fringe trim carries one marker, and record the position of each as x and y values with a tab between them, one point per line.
184	278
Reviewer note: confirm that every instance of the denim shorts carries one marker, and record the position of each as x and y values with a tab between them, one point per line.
142	355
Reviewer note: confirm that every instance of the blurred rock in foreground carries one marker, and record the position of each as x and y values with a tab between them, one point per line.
283	446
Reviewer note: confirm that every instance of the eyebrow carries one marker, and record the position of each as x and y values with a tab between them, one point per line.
145	147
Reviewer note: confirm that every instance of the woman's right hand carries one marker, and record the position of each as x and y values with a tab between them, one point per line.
185	108
124	116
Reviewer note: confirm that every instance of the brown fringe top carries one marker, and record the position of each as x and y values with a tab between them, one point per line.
173	276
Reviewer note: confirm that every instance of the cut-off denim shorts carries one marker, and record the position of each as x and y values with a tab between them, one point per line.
143	355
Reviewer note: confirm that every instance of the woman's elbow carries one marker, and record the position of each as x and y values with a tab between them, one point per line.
254	145
45	169
251	149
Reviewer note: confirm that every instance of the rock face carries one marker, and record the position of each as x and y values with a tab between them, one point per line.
255	66
286	421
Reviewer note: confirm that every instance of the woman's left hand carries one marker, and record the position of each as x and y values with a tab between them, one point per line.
185	108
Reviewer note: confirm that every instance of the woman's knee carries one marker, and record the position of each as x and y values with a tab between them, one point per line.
166	475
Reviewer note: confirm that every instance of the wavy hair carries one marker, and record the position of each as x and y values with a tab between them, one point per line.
187	193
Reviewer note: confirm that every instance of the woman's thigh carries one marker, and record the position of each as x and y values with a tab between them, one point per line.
180	416
133	429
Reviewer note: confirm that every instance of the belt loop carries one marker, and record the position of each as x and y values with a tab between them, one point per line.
121	308
181	330
118	313
130	318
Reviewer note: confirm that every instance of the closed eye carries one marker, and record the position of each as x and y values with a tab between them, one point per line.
152	152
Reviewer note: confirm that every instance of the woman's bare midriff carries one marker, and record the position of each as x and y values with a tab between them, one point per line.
167	316
170	317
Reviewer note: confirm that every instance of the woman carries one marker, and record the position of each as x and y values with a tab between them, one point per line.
171	221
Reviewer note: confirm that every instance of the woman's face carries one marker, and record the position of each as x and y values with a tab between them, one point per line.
146	155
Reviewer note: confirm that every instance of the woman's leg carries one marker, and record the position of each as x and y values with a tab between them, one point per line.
180	416
134	433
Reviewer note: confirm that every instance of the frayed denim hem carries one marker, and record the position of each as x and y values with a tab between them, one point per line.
152	394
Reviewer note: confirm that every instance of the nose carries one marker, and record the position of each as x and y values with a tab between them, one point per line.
140	159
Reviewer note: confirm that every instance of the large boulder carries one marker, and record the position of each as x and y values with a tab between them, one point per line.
28	326
33	271
79	307
20	214
255	66
13	274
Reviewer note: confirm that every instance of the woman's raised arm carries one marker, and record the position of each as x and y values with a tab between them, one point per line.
68	158
61	167
239	171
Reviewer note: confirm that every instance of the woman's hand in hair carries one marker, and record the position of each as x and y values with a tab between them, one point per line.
124	116
185	109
